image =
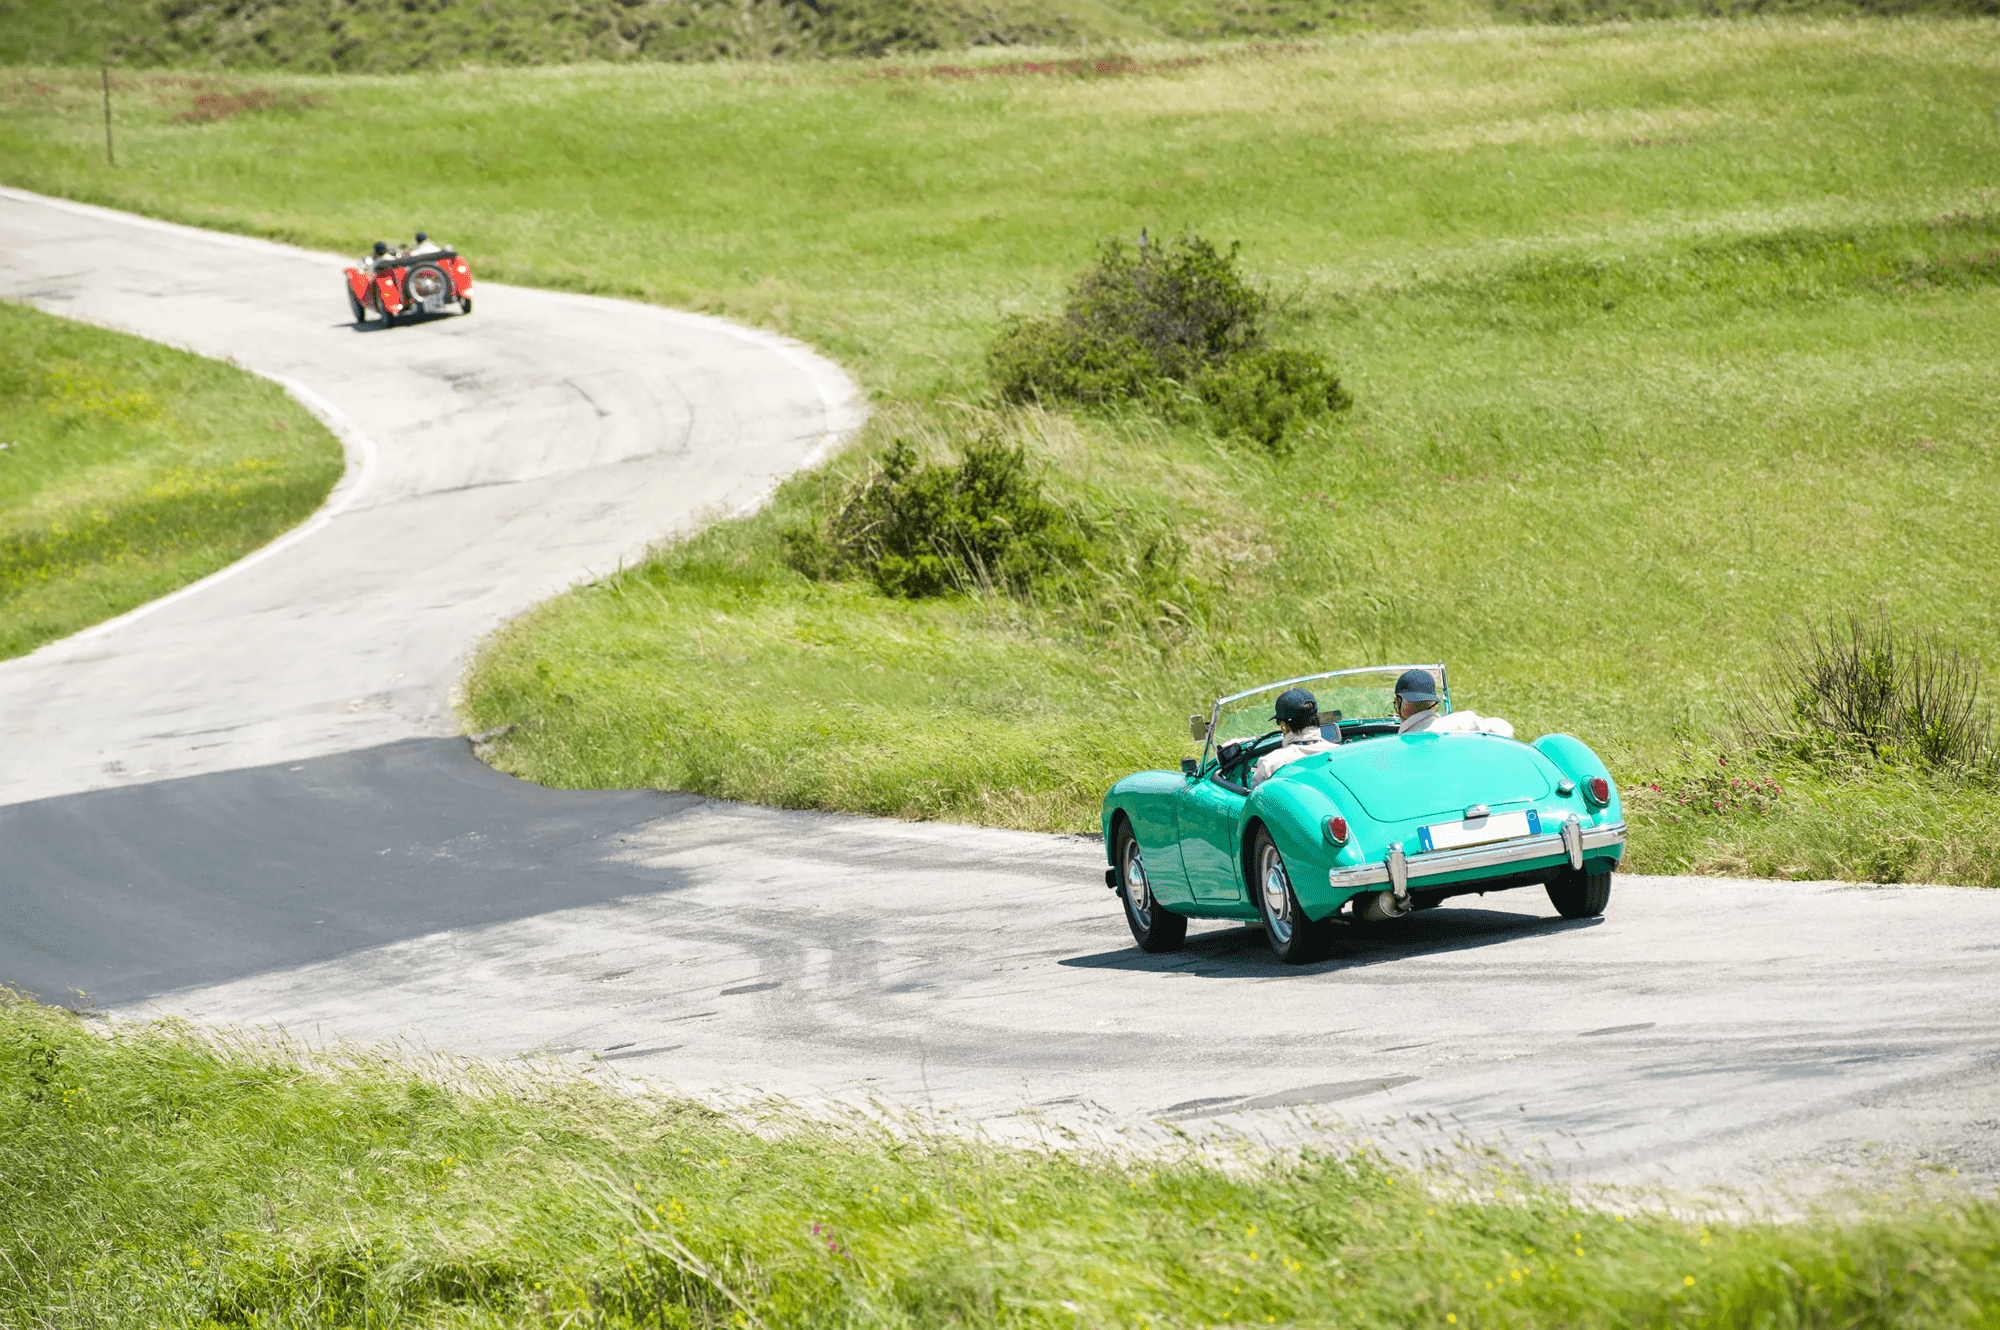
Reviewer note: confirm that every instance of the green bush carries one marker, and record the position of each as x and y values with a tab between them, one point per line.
1855	689
1267	393
925	529
1175	327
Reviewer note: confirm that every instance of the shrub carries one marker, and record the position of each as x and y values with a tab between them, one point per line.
1176	327
924	529
1265	394
1853	688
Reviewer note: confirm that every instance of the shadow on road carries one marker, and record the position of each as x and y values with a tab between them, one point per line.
1236	953
415	320
127	893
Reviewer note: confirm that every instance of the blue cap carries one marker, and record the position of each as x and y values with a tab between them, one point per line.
1296	707
1417	686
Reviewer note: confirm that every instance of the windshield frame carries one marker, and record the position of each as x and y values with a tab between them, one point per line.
1436	669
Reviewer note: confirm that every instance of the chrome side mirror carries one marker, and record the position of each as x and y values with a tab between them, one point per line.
1198	728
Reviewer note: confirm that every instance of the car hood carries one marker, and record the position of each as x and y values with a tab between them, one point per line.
1416	777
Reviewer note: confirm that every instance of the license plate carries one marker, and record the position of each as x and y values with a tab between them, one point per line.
1479	830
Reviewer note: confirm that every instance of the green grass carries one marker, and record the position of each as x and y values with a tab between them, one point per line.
151	1176
130	470
1658	336
388	36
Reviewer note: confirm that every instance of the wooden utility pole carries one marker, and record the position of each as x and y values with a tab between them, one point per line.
109	159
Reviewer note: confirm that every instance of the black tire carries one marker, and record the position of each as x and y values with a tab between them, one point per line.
465	304
1578	895
1296	939
1154	927
356	308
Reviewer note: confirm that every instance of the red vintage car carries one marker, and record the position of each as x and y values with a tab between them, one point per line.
401	285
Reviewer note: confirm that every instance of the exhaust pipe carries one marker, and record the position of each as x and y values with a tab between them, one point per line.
1395	902
1379	906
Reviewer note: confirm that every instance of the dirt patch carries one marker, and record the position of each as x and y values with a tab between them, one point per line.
1110	66
211	104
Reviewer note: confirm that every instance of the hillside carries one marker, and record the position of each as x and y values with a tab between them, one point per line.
388	36
1659	337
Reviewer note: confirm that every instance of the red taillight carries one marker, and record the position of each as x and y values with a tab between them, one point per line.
1597	790
1336	830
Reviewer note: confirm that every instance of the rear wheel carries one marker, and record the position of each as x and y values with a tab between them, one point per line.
1297	939
465	304
356	308
1154	927
1580	895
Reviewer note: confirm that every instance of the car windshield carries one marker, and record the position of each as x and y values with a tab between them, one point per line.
1358	695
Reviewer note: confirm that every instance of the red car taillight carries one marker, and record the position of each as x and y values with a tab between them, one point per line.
1336	831
1597	790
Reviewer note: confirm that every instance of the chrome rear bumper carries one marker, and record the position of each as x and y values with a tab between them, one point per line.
1444	863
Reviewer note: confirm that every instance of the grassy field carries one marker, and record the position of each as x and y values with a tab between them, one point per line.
1658	335
388	36
129	470
151	1177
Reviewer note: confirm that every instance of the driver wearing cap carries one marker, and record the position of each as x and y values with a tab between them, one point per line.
1416	702
1297	714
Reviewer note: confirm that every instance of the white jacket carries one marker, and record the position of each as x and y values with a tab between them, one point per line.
1295	746
1432	721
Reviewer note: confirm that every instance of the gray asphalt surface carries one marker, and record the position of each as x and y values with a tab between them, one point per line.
348	871
494	460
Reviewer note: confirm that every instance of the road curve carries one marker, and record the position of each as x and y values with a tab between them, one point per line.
242	806
493	460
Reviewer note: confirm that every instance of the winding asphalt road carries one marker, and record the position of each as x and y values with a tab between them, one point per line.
246	804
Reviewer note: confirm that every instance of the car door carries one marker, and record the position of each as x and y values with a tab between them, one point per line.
1210	810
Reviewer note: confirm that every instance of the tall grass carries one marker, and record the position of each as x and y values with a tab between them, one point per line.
150	1175
383	36
129	470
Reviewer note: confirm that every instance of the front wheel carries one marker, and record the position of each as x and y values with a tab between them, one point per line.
1297	939
1154	927
1578	895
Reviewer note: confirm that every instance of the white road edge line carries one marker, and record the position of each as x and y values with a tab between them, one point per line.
361	457
843	411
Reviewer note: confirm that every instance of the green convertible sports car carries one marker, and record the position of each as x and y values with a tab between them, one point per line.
1379	824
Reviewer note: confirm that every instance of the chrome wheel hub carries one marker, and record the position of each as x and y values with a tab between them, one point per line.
1138	896
1277	899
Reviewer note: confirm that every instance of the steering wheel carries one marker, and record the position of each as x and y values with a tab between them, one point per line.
1240	753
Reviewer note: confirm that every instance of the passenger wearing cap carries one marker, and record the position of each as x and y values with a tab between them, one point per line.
1297	714
1416	710
424	244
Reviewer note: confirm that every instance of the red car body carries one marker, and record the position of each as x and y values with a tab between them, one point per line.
401	285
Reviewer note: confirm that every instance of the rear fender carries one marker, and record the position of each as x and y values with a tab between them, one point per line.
1294	812
461	276
357	283
1574	758
390	294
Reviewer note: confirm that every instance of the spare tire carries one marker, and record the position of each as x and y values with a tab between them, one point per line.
427	282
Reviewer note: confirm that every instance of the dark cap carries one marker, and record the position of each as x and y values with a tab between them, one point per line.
422	236
381	247
1296	707
1416	686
